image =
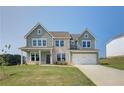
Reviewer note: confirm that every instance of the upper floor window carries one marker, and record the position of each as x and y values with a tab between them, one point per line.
86	36
39	32
39	42
34	42
59	43
86	43
44	42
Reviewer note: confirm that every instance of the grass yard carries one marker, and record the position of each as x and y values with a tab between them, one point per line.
44	76
116	62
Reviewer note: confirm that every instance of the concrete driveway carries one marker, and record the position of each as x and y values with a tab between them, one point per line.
103	76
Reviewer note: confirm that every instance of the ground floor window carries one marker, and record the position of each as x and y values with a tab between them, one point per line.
37	56
58	57
61	57
34	56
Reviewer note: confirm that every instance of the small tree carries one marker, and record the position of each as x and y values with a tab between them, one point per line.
2	62
4	51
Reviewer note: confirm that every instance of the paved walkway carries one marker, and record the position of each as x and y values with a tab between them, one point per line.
56	65
103	76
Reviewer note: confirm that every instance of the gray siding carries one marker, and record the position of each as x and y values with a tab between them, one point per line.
34	34
90	37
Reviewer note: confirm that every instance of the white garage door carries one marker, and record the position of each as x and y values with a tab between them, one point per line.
84	59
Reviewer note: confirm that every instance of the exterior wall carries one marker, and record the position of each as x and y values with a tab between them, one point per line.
34	34
115	48
90	37
64	49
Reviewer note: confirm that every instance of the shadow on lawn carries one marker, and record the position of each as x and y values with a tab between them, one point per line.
6	76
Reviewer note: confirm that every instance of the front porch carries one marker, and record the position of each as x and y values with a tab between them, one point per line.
37	55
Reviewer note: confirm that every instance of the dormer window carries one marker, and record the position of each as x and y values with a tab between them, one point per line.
39	32
86	36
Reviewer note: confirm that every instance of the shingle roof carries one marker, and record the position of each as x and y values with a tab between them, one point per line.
60	34
75	36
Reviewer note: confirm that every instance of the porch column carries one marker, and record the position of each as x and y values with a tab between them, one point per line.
51	57
39	56
21	57
69	55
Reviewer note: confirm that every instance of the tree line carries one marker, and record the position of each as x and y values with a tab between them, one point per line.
10	59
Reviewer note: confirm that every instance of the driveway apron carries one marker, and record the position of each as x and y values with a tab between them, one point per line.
103	76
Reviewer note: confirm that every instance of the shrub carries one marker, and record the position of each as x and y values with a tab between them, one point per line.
104	63
61	63
65	63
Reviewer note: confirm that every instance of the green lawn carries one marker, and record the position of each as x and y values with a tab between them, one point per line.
44	75
116	62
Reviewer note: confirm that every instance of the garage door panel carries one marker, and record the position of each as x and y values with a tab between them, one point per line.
84	59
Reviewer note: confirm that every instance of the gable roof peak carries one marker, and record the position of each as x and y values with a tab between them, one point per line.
87	30
38	23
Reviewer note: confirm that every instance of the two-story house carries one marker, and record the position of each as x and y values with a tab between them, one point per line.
46	47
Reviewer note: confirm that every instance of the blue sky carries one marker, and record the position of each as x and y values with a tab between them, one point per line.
104	23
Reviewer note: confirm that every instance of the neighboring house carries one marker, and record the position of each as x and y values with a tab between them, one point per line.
45	47
115	47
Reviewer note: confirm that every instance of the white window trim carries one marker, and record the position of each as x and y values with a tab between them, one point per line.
32	42
37	42
60	56
34	55
59	43
42	42
86	43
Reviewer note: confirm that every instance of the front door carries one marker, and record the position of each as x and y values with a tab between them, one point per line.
47	59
